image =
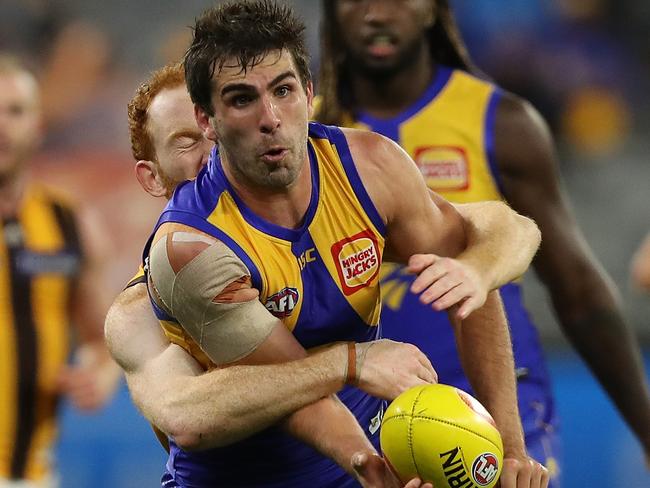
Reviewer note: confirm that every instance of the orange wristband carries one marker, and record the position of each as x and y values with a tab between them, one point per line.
351	374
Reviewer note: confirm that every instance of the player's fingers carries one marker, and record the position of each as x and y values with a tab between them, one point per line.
540	476
427	375
436	290
418	262
524	474
430	275
432	374
414	483
509	474
468	306
452	297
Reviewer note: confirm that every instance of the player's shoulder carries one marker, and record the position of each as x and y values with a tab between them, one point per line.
370	147
522	136
183	243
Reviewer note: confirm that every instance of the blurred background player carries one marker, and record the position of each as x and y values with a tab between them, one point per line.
401	69
50	280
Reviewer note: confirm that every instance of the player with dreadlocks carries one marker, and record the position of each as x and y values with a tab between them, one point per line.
401	69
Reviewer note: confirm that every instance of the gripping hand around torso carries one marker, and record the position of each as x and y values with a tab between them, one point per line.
387	368
445	282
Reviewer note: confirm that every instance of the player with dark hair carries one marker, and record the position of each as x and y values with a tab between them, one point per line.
401	69
224	405
284	231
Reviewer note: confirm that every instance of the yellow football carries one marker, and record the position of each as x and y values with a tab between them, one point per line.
443	436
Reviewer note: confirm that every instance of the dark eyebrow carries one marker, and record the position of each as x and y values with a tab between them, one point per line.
245	87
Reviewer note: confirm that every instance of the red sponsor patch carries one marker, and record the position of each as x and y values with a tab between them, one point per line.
485	468
443	167
357	260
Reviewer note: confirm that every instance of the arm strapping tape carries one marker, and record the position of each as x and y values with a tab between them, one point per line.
226	332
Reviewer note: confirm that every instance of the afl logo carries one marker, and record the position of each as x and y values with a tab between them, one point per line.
357	261
282	303
485	468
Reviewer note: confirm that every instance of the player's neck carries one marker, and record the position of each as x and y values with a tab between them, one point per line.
388	97
286	207
12	188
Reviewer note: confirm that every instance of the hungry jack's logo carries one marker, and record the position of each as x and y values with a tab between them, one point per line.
357	261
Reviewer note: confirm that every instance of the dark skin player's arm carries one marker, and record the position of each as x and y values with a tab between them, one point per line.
583	295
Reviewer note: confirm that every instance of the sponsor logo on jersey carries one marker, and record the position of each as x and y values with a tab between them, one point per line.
282	303
443	167
485	468
454	469
357	261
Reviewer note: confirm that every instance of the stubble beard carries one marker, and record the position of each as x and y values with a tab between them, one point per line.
263	176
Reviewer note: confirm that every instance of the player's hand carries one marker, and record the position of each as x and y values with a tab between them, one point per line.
87	388
523	473
445	282
371	471
387	368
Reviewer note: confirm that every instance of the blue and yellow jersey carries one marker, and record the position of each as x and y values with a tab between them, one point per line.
449	133
321	280
40	261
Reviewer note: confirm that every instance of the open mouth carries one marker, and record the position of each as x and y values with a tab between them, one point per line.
381	45
274	155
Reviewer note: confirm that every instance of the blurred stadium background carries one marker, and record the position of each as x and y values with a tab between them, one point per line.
584	63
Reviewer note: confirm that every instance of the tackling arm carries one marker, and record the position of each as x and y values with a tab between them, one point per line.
216	408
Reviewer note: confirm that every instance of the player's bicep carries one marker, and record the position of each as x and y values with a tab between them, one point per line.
429	226
531	183
132	332
206	287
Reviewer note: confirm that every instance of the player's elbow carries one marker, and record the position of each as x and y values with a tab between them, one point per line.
195	435
188	440
532	234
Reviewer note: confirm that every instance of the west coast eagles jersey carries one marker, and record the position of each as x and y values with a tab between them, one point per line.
449	133
321	280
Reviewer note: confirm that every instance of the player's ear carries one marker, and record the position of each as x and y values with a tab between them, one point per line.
147	174
203	121
310	100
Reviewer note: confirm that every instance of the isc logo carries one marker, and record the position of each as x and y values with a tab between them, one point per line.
282	303
485	468
309	256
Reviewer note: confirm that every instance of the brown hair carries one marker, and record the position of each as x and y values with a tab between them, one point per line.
247	31
446	46
170	76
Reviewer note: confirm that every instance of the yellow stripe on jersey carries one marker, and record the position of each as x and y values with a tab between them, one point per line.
336	194
272	256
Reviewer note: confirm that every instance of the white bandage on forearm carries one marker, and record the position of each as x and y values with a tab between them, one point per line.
226	332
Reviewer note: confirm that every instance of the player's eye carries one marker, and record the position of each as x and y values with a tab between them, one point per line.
282	91
241	100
